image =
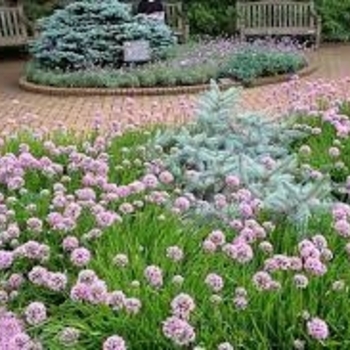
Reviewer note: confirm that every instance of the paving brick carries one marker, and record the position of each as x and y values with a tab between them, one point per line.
79	112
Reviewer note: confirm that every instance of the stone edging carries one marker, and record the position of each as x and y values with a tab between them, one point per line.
179	90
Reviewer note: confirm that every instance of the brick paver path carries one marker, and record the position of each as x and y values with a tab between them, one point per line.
18	107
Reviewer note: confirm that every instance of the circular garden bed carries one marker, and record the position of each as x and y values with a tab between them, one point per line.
80	63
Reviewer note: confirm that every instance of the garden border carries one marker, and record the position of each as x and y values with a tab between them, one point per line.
168	91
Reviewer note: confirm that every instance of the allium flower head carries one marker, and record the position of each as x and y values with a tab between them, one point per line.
225	346
80	257
175	253
166	177
69	336
215	282
35	313
182	305
133	305
6	259
115	342
154	276
317	329
179	331
121	260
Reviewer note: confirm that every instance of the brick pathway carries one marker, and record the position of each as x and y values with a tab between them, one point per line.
22	108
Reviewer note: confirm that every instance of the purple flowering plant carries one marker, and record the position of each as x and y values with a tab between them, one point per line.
97	250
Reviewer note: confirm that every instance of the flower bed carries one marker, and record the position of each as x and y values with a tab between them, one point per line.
219	234
187	65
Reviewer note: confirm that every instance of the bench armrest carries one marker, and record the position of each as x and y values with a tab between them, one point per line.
29	24
316	16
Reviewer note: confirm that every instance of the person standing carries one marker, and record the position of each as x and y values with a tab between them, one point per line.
152	8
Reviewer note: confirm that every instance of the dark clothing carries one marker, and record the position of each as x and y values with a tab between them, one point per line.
147	7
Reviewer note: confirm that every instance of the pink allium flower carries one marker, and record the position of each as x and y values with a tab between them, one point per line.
317	329
175	253
182	305
232	181
262	280
69	336
343	228
10	327
320	241
182	204
116	300
179	331
240	303
220	201
87	277
107	218
315	266
22	341
70	243
310	252
15	281
215	282
241	292
35	313
166	177
80	292
6	259
80	257
86	194
132	305
241	252
245	210
115	342
217	237
35	225
126	208
98	293
154	276
209	246
326	255
295	263
150	181
38	275
56	281
236	224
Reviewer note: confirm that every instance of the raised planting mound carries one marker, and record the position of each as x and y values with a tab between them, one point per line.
195	63
213	235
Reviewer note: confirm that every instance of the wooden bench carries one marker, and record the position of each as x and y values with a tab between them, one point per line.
13	27
278	17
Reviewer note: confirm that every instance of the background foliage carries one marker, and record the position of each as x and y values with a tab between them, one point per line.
216	17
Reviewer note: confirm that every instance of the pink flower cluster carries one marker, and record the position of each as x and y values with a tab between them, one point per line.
89	288
55	281
177	327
